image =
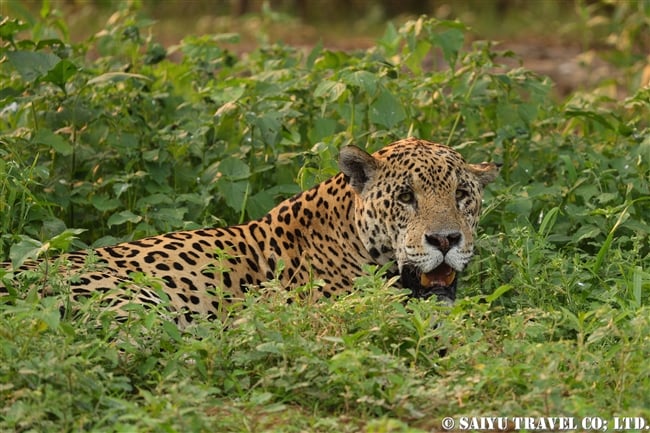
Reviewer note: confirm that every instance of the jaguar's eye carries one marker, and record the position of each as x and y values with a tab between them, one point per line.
461	194
406	197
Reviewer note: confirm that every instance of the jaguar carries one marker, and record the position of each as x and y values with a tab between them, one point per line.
412	206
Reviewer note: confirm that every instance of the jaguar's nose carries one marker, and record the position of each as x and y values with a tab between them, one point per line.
444	241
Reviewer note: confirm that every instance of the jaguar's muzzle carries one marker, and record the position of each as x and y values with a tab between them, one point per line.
440	282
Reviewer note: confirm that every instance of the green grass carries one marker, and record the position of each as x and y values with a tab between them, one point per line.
107	140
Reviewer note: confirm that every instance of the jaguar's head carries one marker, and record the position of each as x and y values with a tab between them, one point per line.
417	206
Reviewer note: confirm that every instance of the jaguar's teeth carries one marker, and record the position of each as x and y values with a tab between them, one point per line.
442	276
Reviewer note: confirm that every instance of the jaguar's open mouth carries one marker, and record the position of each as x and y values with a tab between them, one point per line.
440	282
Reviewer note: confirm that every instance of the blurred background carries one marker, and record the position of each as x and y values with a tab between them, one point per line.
578	43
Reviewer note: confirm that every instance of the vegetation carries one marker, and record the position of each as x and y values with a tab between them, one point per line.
109	139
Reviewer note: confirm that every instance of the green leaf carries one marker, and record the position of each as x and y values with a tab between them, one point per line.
365	80
50	317
270	347
270	127
498	292
234	169
387	110
549	221
233	193
120	188
314	54
227	96
9	92
450	41
61	73
608	197
591	115
123	217
104	203
415	59
116	76
330	90
32	65
171	329
390	40
52	227
170	216
56	142
63	240
331	60
9	28
26	249
259	204
322	127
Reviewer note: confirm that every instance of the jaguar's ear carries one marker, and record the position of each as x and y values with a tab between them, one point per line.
486	172
357	165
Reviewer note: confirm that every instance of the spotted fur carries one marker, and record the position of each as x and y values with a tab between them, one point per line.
413	204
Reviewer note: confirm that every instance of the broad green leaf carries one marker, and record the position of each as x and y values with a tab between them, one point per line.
519	206
26	249
151	155
227	94
586	232
63	240
61	73
330	90
32	65
365	80
390	40
415	58
56	142
508	116
154	200
451	42
322	127
608	197
259	204
53	226
104	203
171	329
124	140
331	60
234	169
120	218
234	193
270	127
120	188
170	216
50	317
387	110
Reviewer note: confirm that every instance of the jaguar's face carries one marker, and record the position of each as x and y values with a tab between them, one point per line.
418	206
